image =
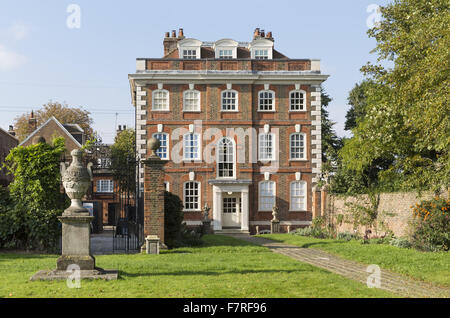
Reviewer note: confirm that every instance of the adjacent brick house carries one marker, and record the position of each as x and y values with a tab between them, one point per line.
73	134
239	125
8	141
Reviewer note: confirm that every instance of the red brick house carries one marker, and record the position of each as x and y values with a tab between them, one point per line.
239	125
8	141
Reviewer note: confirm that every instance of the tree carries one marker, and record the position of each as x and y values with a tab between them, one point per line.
331	143
123	160
407	114
357	99
62	112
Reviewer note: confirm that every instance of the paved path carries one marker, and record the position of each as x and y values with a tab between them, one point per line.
392	282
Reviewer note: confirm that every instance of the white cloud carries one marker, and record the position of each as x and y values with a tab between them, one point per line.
10	60
18	31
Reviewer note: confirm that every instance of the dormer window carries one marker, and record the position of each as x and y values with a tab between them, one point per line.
261	49
225	54
261	54
189	49
189	54
225	49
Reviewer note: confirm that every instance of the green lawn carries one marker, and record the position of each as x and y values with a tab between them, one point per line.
223	267
427	266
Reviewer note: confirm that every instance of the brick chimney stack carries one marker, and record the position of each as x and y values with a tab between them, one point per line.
170	42
32	123
11	130
256	34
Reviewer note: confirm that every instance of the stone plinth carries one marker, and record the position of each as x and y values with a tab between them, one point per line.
76	242
274	226
152	244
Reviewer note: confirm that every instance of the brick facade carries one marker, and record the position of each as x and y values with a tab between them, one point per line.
246	76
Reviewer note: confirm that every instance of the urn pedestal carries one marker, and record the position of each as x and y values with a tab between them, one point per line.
76	243
76	229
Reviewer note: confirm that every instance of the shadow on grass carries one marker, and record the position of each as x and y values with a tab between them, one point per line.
210	273
308	244
6	255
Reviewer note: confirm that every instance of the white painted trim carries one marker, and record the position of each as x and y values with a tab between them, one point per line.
305	152
236	103
259	194
167	100
305	103
273	101
199	100
305	196
233	144
199	197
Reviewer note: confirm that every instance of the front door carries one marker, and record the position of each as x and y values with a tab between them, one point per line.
231	210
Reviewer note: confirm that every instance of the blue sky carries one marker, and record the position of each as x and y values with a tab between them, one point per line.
42	59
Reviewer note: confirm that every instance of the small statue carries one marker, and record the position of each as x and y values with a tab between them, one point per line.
206	209
275	211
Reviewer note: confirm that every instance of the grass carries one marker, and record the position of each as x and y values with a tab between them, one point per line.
223	267
433	267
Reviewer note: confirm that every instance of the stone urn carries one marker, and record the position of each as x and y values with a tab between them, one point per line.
76	181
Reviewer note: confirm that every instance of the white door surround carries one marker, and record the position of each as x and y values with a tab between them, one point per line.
223	188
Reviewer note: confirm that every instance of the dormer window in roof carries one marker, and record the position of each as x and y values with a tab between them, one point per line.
261	49
225	49
189	49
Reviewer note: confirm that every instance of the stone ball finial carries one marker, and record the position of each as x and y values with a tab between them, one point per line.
38	140
153	145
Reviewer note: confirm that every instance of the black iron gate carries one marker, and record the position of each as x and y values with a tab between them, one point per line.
128	228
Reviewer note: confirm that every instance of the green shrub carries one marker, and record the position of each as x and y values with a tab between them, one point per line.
347	236
173	218
316	232
401	242
431	226
176	234
27	228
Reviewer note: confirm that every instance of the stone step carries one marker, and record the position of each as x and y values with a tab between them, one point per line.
233	231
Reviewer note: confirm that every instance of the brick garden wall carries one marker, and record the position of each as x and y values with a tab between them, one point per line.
394	210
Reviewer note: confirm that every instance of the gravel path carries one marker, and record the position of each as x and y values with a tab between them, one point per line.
389	281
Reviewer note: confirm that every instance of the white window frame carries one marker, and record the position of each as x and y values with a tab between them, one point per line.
261	206
261	154
260	98
101	184
291	104
293	196
305	148
167	100
198	106
199	196
199	147
167	186
261	54
189	53
226	54
158	152
219	161
236	103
